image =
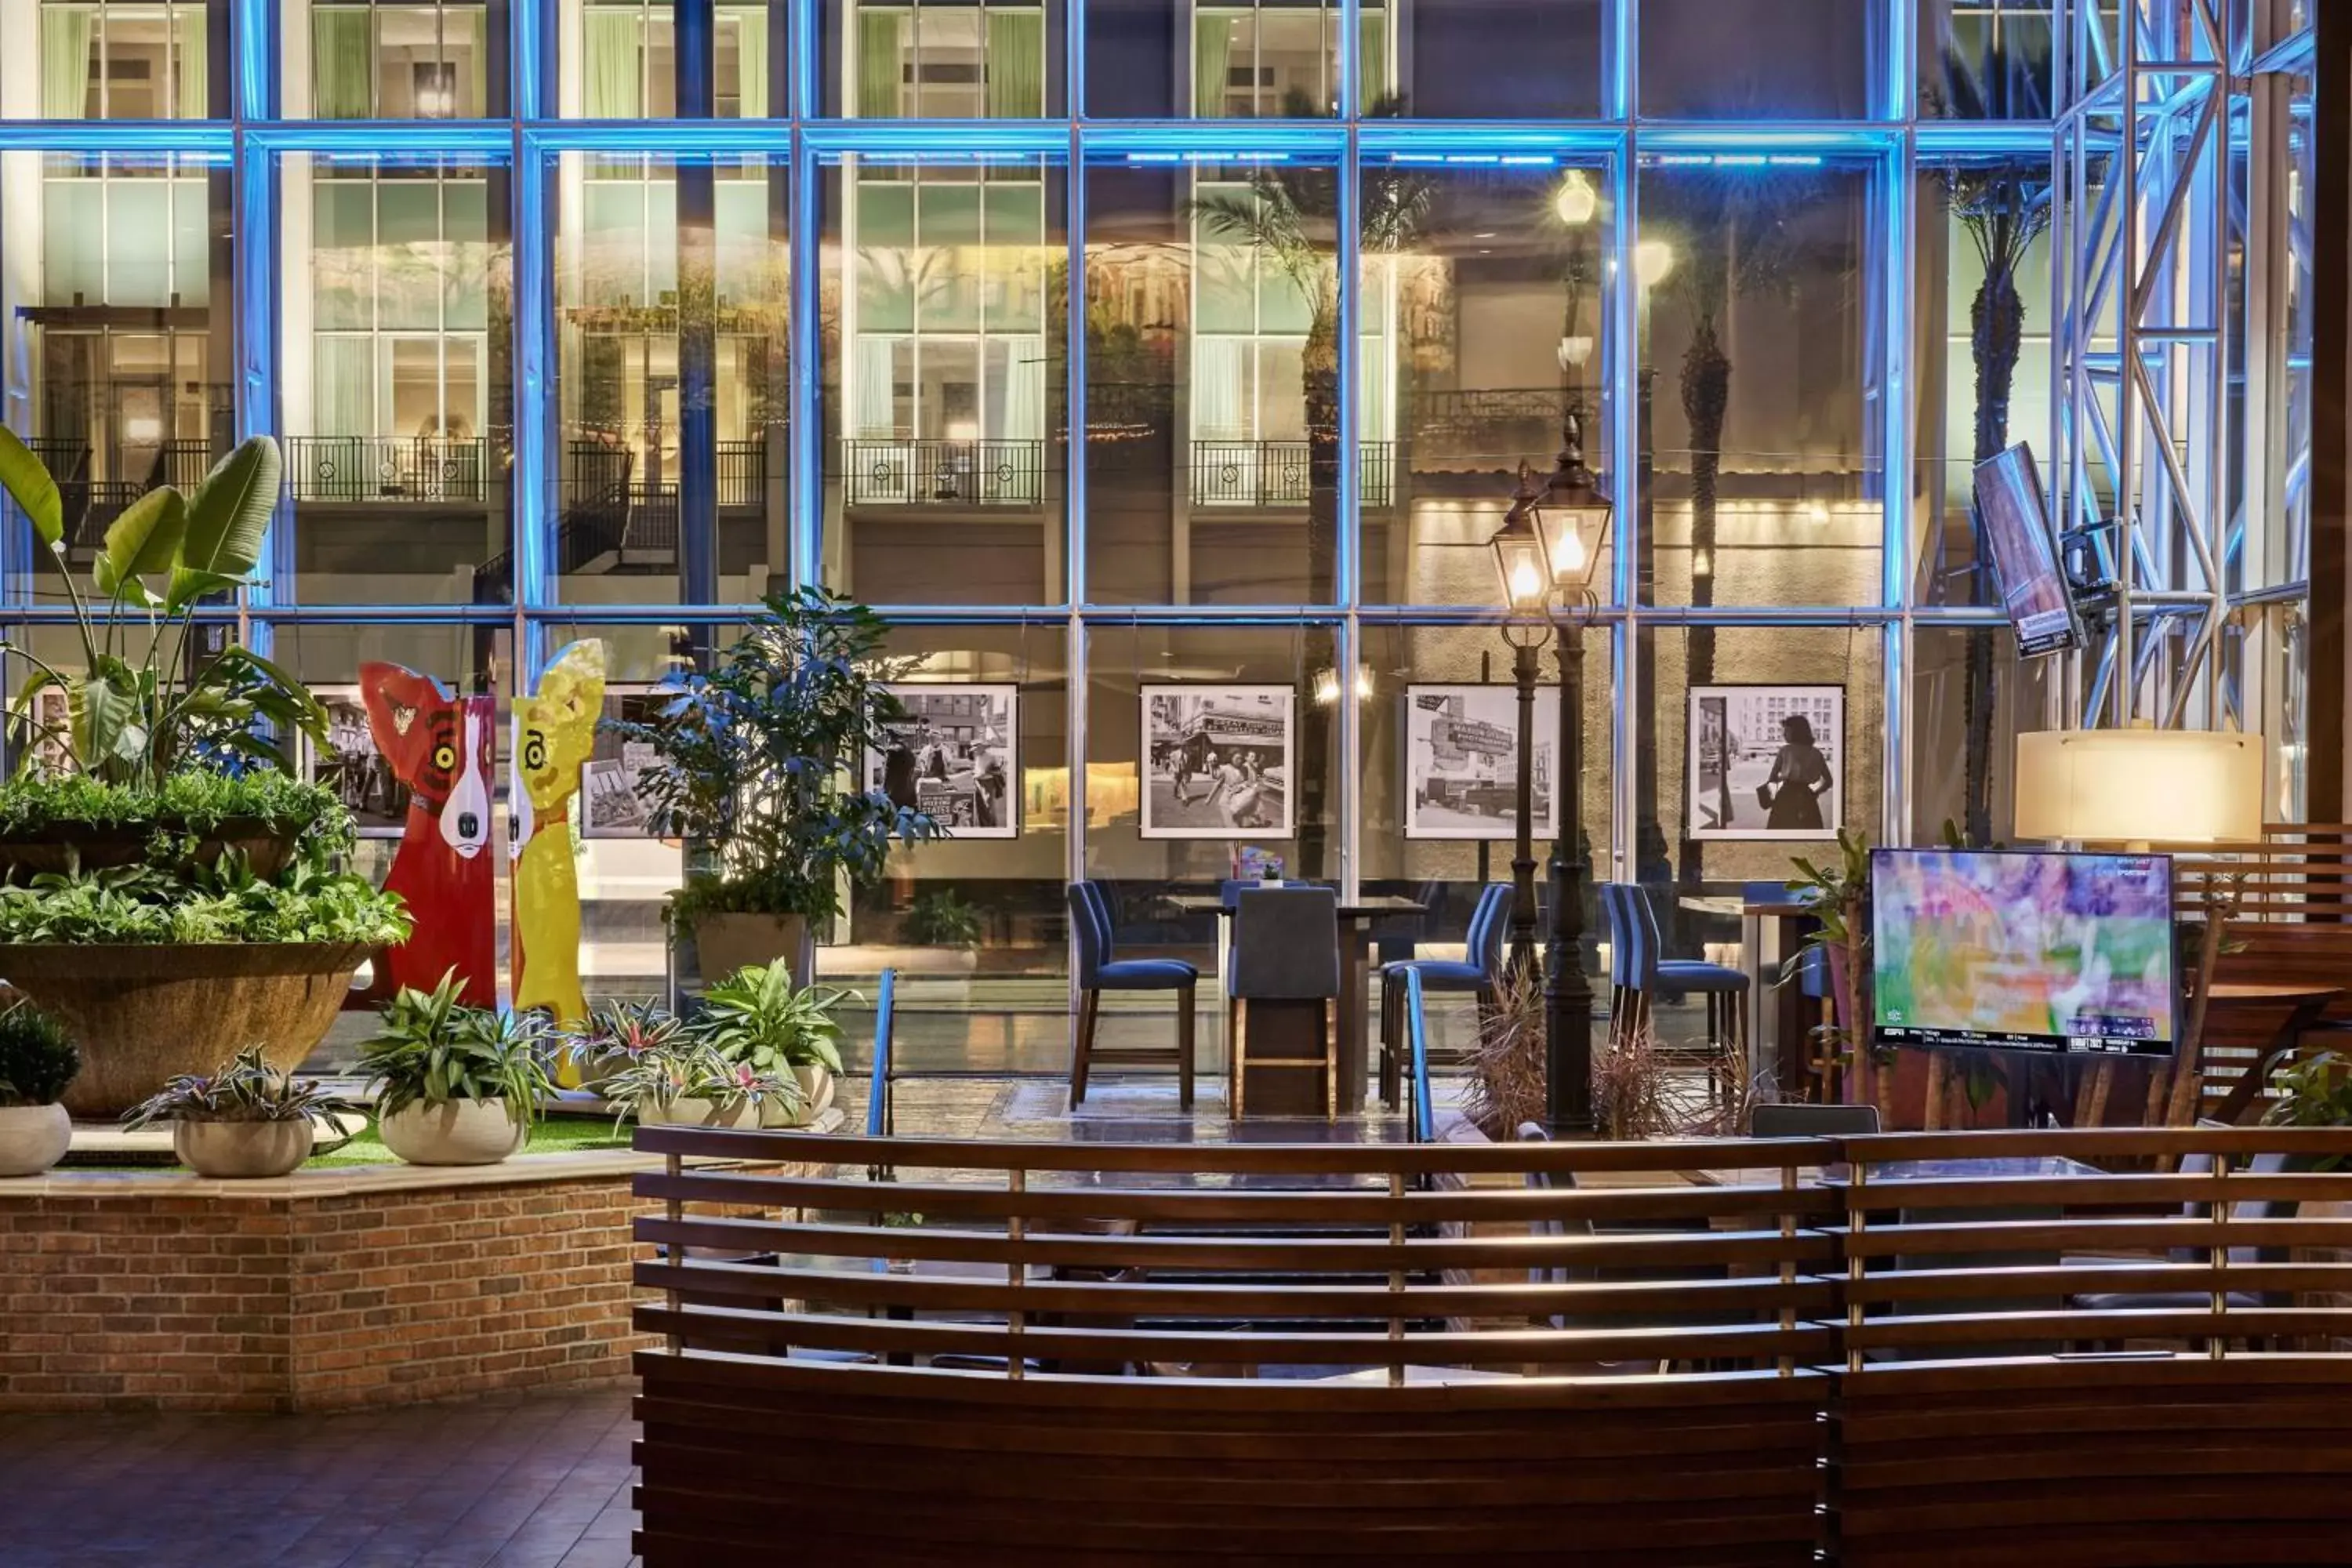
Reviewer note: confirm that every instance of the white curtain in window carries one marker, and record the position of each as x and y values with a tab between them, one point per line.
1022	417
751	58
1213	49
615	72
342	65
1372	60
881	63
872	396
1220	389
1016	65
188	41
343	397
65	62
1375	420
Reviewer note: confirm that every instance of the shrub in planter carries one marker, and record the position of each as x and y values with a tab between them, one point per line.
941	920
455	1084
755	1019
247	1120
756	765
37	1060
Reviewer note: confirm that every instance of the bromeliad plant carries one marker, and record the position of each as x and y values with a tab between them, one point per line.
137	712
430	1049
247	1090
757	762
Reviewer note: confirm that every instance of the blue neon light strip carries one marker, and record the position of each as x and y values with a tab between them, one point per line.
388	138
534	390
144	138
255	395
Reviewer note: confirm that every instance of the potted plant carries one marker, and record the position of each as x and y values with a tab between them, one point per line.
755	1018
755	764
37	1060
172	892
454	1085
947	928
249	1119
682	1082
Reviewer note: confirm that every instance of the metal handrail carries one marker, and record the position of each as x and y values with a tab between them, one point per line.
1417	1036
879	1121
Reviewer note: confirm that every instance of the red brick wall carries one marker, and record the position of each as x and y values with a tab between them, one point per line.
133	1301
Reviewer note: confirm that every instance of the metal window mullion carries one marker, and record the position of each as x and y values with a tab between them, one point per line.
1899	411
1623	332
1348	585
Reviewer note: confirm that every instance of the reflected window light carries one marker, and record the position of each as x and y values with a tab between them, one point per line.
1577	201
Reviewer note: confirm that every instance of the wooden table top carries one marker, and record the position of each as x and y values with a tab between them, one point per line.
1708	904
2257	991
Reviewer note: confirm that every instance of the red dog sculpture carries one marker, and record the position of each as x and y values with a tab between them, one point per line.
439	747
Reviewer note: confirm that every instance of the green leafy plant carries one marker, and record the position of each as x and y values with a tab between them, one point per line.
941	920
2314	1092
247	1090
135	711
193	801
1838	897
37	1058
756	760
755	1018
430	1049
224	903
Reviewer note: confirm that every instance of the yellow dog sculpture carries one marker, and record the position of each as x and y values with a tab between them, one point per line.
555	730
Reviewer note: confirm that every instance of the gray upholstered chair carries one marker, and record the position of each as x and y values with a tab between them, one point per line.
1813	1121
1287	949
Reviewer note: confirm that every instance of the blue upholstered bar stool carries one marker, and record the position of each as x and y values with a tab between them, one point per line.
1725	988
1287	949
1476	972
1099	970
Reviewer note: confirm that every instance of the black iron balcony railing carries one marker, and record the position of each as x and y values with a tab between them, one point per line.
943	473
386	467
1279	473
742	473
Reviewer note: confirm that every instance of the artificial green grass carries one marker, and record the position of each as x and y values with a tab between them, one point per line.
554	1135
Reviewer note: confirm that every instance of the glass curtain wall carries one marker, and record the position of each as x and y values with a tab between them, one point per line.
1161	368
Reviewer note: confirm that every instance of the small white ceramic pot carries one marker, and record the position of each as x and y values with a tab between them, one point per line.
238	1150
818	1088
455	1132
33	1137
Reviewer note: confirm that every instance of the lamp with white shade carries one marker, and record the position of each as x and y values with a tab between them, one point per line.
2140	786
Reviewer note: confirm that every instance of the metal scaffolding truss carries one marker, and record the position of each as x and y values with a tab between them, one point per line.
2180	428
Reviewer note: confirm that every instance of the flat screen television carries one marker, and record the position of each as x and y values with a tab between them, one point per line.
2015	528
2022	951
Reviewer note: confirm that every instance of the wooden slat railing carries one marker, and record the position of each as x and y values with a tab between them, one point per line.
1722	1351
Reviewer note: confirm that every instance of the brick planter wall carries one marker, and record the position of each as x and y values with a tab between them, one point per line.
318	1291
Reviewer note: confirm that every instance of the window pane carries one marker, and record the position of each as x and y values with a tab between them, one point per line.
944	391
1236	59
1481	59
1482	297
1794	59
1757	350
1986	60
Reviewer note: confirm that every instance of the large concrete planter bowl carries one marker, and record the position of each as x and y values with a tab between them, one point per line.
142	1013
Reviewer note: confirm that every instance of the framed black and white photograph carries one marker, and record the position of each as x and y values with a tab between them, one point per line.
1217	762
609	803
1462	762
954	756
349	764
1767	761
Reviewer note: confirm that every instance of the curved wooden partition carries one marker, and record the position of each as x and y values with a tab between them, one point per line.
1721	1353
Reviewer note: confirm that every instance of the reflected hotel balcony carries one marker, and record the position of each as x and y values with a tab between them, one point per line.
1281	473
92	502
886	472
386	467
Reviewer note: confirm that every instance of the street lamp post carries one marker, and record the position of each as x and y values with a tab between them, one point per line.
1549	545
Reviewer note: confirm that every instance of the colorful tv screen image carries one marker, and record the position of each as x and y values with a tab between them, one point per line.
2068	955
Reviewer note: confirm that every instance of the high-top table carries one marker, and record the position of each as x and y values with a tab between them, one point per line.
1768	932
1356	917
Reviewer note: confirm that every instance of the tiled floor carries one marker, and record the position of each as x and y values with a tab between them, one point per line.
513	1483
